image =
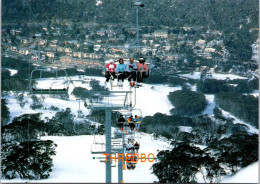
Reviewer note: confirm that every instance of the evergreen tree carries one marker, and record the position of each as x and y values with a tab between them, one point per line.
27	160
5	113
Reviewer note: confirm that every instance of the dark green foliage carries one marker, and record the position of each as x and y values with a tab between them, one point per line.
99	116
5	113
187	102
241	106
93	72
181	164
37	102
12	83
213	86
95	84
21	101
165	125
81	93
238	150
156	78
217	112
53	108
62	123
24	128
27	160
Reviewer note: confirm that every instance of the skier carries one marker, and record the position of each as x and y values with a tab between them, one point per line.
131	123
110	70
142	70
131	68
138	122
136	146
121	121
121	69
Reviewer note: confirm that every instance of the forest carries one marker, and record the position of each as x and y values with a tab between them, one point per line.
187	102
242	106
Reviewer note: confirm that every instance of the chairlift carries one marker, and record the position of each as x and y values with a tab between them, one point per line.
34	86
98	148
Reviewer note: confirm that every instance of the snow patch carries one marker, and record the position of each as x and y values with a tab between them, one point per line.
252	129
248	174
185	129
211	104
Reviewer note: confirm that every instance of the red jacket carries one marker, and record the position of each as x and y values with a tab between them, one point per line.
142	66
111	67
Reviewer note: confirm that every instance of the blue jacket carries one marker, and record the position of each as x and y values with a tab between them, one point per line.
133	68
120	67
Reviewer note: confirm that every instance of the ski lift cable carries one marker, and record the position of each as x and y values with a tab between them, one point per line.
67	75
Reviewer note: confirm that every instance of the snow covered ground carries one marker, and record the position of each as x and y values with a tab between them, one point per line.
148	100
211	104
255	93
219	76
12	71
237	120
246	175
74	161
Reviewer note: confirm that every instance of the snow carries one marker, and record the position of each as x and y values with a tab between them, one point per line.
255	50
251	129
211	104
98	3
185	129
74	161
218	76
152	98
194	75
245	175
12	71
255	93
153	101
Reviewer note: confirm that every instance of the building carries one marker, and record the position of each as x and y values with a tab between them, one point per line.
160	34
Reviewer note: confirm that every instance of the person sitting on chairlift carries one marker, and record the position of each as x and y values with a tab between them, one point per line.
131	122
121	121
138	122
142	69
131	68
121	69
110	70
136	146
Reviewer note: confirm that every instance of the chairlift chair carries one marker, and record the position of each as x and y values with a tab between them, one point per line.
47	91
98	148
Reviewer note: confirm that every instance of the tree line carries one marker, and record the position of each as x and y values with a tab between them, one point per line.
187	102
214	86
241	106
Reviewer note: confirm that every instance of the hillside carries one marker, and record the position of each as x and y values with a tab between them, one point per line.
236	19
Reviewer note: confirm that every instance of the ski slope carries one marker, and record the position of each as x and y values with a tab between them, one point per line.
218	76
74	161
248	174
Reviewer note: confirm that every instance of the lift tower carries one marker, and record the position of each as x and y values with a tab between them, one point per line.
108	101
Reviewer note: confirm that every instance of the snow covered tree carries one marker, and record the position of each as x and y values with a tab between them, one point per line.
27	160
181	164
61	123
5	114
37	103
236	151
21	101
23	128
